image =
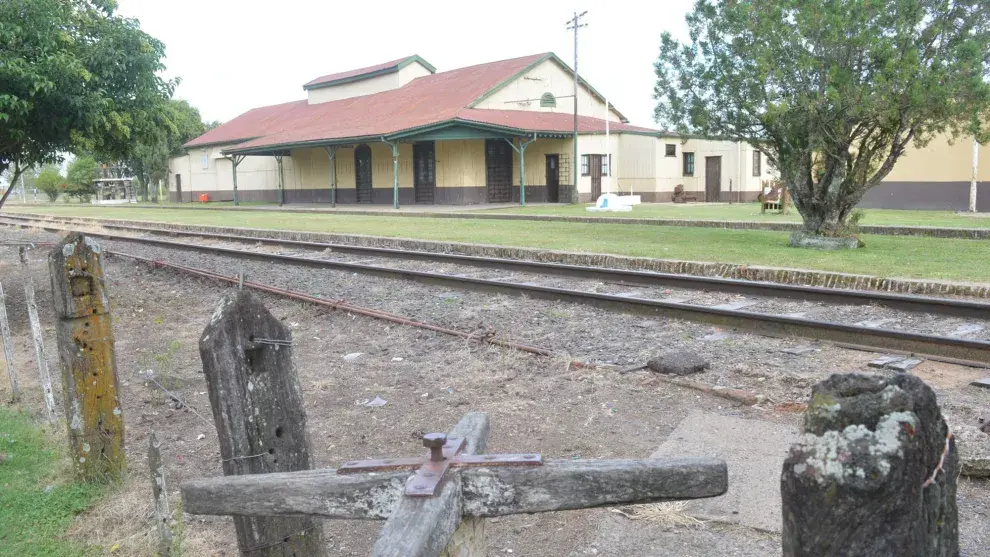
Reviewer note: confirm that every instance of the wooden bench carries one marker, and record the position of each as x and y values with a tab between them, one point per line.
777	199
681	197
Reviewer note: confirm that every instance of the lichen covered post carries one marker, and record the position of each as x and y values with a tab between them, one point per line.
874	474
86	352
8	348
162	513
258	410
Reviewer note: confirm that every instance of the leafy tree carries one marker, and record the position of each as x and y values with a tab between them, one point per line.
51	183
149	160
833	91
79	177
75	76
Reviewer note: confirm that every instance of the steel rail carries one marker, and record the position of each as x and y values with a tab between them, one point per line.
905	302
772	325
963	350
339	304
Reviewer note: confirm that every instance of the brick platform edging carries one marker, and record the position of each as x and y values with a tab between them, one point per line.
696	268
878	229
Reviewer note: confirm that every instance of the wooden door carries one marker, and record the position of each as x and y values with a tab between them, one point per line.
498	171
713	178
362	173
553	178
424	171
595	170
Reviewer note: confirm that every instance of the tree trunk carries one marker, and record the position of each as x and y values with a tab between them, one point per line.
13	180
826	204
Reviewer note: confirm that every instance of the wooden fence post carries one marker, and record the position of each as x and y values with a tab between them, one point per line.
874	475
162	514
89	367
258	409
8	348
44	376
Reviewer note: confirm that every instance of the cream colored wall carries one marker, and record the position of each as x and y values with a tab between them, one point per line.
739	170
547	77
940	161
312	167
412	71
254	173
536	160
461	163
637	164
594	144
368	86
354	89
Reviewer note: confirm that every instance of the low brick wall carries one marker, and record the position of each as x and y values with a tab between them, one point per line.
884	230
697	268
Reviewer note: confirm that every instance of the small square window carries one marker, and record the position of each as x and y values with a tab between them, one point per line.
689	164
671	149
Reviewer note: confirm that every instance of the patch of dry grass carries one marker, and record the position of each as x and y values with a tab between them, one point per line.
668	514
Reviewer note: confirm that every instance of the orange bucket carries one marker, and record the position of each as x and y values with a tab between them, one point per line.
204	198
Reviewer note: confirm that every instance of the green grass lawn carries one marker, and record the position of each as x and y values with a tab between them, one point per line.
35	509
886	256
751	212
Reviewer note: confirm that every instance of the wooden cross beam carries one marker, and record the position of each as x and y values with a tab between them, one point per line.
419	526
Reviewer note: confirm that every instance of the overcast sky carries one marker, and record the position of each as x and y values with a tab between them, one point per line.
234	55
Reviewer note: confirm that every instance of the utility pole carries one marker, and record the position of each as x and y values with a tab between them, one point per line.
976	174
575	24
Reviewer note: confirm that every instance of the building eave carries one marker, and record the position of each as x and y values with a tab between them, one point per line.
371	74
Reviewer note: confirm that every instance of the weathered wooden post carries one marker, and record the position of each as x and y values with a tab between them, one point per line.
8	348
258	410
162	514
438	510
44	377
874	475
89	367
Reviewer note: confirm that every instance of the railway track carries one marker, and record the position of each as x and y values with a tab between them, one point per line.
925	304
874	337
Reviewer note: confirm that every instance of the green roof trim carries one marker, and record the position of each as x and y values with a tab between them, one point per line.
371	74
544	58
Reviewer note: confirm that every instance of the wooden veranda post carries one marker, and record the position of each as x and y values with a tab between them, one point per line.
8	347
258	410
86	352
438	511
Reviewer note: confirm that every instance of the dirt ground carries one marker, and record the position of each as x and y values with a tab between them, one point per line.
537	404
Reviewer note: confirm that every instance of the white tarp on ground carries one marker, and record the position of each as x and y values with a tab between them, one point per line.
612	202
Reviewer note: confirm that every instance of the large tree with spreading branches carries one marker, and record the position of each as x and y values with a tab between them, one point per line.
832	91
75	76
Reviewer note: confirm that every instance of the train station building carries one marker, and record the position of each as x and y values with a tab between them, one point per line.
402	132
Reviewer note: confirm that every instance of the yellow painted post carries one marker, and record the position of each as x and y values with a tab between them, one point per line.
89	368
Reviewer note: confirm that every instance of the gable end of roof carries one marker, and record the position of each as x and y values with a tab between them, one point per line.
558	61
366	73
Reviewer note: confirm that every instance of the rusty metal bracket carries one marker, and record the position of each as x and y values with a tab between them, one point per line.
444	454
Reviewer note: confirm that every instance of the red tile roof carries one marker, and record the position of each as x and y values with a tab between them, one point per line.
424	101
358	72
546	121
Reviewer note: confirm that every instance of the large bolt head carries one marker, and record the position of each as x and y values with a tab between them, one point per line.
434	440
